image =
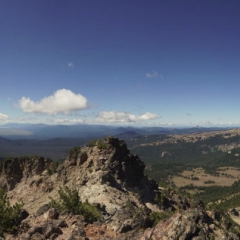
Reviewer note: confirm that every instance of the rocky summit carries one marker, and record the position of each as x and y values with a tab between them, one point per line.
109	180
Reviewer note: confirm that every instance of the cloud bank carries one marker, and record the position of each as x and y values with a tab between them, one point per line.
62	101
3	117
68	121
121	117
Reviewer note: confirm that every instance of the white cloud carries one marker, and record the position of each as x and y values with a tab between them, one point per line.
62	101
68	121
154	74
3	117
71	65
121	117
162	123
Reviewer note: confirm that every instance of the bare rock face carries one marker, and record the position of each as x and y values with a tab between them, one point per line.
47	230
110	177
11	173
14	169
52	213
187	225
76	158
124	166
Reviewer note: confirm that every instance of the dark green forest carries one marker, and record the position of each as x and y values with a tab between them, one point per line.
184	155
170	159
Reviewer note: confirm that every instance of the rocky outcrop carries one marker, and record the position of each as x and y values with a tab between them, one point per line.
190	224
110	177
13	170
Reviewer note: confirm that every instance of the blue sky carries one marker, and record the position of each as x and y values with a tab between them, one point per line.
144	63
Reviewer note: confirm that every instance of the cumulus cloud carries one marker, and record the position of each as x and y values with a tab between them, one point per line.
113	116
3	117
154	74
62	101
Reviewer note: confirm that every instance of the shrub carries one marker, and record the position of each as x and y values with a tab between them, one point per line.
92	143
53	167
35	156
159	199
8	159
194	178
8	214
101	144
209	182
74	149
90	212
129	206
159	216
70	200
90	170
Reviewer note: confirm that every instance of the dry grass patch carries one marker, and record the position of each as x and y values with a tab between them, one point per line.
198	177
232	172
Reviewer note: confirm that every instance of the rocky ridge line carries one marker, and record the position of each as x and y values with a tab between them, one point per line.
112	178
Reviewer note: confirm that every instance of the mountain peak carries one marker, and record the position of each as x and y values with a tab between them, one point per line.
106	174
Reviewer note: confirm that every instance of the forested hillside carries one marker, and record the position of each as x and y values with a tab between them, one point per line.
199	163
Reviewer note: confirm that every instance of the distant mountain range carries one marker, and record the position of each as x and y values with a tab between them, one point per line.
54	141
43	131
